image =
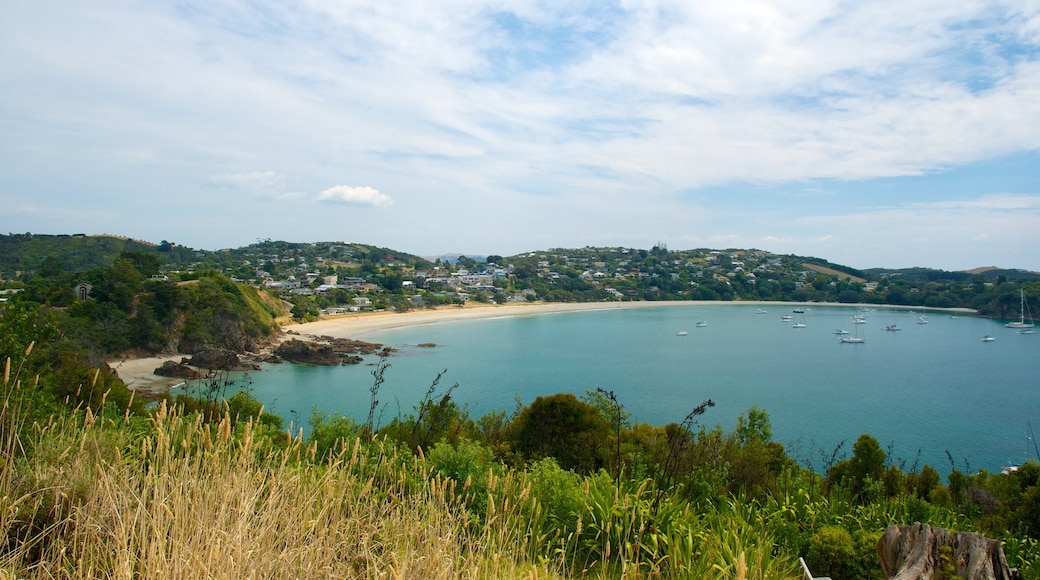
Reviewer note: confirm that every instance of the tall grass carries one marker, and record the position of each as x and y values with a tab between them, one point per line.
188	499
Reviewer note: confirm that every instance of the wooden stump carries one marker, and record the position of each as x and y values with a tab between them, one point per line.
915	553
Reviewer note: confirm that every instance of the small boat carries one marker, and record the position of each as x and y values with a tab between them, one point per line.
854	339
922	319
892	328
1027	331
988	338
759	311
786	317
798	325
702	324
799	311
859	320
681	333
1021	322
841	332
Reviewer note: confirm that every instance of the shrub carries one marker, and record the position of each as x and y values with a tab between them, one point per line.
831	551
328	430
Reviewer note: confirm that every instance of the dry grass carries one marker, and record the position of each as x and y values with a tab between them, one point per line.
190	500
833	272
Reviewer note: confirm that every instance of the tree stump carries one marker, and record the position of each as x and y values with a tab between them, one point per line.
916	553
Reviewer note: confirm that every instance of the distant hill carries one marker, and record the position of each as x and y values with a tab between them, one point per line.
453	258
27	252
990	272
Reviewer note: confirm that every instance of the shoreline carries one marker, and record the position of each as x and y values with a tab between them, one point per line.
138	374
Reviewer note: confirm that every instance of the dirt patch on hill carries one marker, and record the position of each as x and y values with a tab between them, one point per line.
833	272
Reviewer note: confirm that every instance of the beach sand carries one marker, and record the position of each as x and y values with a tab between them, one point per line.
138	373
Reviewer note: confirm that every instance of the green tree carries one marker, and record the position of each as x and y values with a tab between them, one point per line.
866	465
564	428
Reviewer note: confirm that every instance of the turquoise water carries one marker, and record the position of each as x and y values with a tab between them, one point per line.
935	387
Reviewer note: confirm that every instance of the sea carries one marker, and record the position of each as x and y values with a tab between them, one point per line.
929	392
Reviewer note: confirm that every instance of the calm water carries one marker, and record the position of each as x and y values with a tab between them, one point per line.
933	387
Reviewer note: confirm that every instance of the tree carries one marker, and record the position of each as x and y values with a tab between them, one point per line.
867	464
562	427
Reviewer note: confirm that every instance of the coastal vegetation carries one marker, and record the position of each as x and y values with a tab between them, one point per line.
97	482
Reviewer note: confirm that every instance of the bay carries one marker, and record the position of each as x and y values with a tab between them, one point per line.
922	391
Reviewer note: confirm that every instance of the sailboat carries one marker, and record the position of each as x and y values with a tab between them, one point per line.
854	339
1021	323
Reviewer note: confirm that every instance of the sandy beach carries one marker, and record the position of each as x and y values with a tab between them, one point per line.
138	373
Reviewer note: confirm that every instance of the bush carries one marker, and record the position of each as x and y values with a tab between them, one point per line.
468	463
831	551
328	430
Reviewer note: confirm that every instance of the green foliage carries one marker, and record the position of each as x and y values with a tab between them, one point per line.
220	313
866	466
754	427
330	432
469	464
242	406
558	491
562	427
834	552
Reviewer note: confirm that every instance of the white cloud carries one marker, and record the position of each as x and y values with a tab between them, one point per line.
355	196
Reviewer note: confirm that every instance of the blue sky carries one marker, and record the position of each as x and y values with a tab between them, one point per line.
890	134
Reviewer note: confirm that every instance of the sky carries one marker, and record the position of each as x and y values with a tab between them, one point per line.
868	133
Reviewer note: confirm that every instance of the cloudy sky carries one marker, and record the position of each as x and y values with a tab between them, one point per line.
893	133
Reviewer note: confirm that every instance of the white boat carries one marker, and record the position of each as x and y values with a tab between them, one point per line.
841	332
922	320
1027	331
892	328
1021	322
702	324
786	317
759	311
681	333
854	339
859	320
988	338
799	324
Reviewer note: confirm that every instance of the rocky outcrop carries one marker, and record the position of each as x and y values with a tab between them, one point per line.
219	359
177	370
326	351
921	552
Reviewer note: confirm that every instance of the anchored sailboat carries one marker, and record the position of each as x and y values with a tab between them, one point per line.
1021	323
